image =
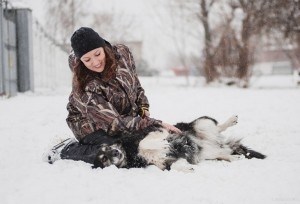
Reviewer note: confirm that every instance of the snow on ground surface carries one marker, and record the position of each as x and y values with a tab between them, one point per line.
269	121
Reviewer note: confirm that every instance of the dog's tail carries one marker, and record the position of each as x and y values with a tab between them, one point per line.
254	154
239	149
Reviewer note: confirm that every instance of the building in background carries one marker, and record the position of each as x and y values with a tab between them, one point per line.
275	62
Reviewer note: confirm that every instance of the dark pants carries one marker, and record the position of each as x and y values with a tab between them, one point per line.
87	149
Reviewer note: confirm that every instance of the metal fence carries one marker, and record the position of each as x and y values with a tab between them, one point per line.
8	53
30	59
1	50
50	61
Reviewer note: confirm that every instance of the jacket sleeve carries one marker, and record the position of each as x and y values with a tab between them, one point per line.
79	125
104	116
141	97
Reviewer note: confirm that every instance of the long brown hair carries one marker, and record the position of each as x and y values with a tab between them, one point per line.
82	75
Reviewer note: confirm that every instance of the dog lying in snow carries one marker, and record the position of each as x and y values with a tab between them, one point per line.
200	140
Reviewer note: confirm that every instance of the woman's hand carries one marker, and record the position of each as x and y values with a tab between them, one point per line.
144	111
147	113
171	128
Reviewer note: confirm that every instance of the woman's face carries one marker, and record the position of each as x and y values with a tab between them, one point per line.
94	60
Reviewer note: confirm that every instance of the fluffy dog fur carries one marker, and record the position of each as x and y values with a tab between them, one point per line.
200	140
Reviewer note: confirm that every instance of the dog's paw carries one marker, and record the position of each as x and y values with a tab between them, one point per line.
182	165
236	157
233	120
230	158
185	169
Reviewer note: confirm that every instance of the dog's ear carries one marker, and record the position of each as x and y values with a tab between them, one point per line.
104	145
119	144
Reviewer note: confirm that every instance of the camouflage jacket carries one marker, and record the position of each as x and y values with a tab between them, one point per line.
111	106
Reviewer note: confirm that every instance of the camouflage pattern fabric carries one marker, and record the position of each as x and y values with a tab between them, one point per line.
111	106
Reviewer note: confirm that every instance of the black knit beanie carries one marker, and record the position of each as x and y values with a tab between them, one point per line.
84	40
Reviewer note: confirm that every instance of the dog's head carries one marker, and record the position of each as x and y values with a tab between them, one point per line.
110	155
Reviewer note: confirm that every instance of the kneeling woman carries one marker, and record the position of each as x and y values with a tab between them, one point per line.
106	97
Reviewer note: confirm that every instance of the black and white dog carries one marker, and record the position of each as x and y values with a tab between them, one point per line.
200	140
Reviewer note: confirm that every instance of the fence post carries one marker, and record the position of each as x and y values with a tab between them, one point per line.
1	51
24	50
10	54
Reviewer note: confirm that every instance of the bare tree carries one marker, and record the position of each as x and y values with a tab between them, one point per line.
200	12
114	26
62	18
187	17
231	43
179	16
285	18
254	21
226	57
209	64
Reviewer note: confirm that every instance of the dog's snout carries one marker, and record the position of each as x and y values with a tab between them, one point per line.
115	153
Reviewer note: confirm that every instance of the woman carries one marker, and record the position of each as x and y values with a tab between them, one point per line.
106	97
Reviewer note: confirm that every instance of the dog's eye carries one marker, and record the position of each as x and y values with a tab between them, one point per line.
104	159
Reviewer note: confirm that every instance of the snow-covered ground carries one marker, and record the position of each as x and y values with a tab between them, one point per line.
269	121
